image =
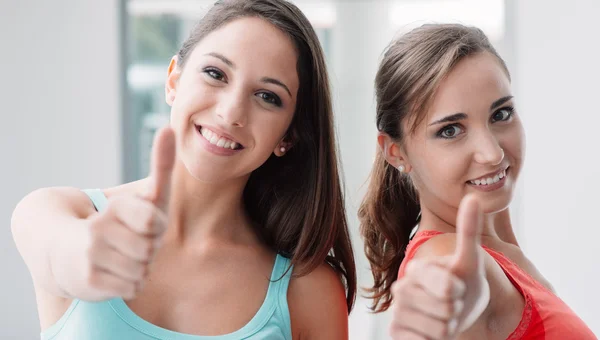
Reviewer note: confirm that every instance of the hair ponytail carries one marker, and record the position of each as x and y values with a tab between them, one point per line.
387	215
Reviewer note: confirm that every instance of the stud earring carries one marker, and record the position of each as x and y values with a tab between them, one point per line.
282	149
401	168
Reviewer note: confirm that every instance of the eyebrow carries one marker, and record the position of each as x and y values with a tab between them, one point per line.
461	116
273	81
222	58
452	118
500	102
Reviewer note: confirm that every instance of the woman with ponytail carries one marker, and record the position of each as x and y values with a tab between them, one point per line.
435	219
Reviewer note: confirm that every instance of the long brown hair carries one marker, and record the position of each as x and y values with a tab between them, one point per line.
296	200
412	68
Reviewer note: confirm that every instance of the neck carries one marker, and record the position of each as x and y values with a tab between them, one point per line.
496	225
202	212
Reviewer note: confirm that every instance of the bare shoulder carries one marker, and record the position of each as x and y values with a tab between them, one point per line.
68	199
317	304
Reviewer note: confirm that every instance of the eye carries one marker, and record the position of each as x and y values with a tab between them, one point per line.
215	73
269	98
450	131
504	114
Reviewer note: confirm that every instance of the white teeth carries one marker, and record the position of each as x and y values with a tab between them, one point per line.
490	180
214	139
206	133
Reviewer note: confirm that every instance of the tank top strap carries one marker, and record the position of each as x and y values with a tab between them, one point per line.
98	198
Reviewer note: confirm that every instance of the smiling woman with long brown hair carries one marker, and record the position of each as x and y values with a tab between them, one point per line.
244	199
451	150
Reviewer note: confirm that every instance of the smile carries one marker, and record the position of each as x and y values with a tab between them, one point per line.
220	141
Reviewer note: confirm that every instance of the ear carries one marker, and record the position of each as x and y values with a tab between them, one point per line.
393	152
173	75
283	147
286	143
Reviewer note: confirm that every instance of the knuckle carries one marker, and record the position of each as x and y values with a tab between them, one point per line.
139	270
446	309
447	286
149	217
131	290
439	329
147	249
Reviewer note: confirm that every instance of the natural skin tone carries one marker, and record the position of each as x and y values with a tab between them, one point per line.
453	288
180	240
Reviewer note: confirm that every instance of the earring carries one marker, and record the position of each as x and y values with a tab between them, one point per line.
282	149
401	168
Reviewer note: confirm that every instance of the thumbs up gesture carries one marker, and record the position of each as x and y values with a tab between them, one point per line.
441	296
120	241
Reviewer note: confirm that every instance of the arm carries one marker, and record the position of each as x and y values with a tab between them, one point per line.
501	298
317	304
454	289
44	218
73	252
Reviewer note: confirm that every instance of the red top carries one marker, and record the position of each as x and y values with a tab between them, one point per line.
545	315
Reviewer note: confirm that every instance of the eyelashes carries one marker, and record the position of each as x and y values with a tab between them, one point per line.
453	130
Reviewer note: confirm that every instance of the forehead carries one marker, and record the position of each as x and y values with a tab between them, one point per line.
473	84
252	43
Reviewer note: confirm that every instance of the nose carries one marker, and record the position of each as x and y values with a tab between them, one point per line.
232	110
488	151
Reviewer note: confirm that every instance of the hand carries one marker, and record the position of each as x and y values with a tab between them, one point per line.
122	239
439	297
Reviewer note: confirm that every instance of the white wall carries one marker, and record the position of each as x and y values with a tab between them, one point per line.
60	111
557	61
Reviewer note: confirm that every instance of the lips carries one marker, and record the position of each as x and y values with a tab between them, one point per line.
218	138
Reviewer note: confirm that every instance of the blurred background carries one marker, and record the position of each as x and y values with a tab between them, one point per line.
83	92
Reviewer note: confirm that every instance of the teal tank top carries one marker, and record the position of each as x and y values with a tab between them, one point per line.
112	319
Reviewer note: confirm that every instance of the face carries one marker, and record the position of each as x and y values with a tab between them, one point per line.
234	99
471	140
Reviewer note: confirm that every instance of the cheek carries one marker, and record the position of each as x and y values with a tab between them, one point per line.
448	165
514	143
270	128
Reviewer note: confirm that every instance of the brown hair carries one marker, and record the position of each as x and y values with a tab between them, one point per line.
412	68
297	200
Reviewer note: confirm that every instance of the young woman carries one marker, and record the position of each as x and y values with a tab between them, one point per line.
450	133
243	199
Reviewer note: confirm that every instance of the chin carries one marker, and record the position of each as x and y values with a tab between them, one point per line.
203	170
492	204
